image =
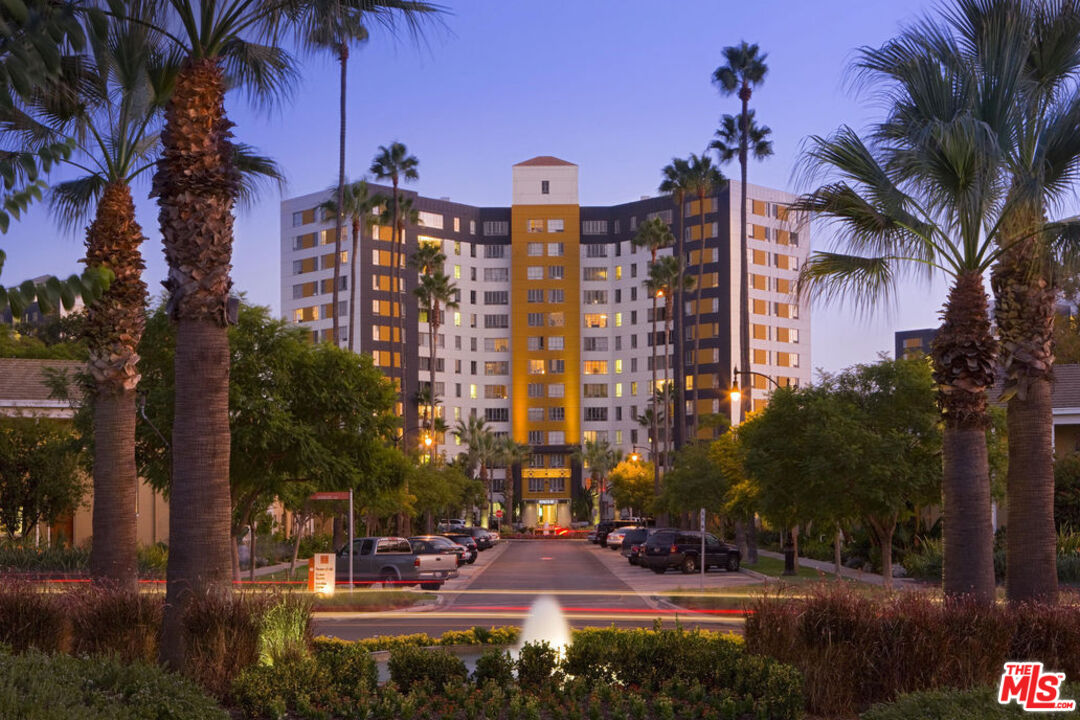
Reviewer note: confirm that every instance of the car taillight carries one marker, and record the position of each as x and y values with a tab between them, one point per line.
416	562
674	548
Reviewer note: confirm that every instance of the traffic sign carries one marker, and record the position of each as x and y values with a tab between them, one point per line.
329	496
498	513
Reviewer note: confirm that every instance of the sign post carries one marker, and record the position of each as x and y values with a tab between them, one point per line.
340	496
321	573
704	560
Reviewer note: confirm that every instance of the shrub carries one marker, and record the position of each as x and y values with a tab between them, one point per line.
44	559
854	651
413	665
153	560
32	619
538	666
348	663
108	621
36	686
286	630
980	704
494	666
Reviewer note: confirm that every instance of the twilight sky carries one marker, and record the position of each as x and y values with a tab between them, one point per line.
617	86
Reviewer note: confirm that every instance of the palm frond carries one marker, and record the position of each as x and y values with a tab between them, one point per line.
256	172
266	73
73	202
866	282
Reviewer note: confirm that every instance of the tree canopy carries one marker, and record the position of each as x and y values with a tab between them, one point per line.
40	478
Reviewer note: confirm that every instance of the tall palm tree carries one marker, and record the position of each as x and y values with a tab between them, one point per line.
743	70
512	454
599	458
675	183
931	207
394	163
655	235
702	180
667	279
435	292
359	204
483	450
1029	53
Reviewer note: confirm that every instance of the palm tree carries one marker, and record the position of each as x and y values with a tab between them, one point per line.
666	278
435	292
483	450
52	292
655	235
1030	53
744	69
359	205
512	454
675	183
598	457
394	163
702	179
930	207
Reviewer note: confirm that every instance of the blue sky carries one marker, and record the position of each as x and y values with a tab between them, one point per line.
617	86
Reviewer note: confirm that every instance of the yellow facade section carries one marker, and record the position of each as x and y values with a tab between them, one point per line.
570	330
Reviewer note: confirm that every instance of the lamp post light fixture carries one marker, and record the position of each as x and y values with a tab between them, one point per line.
636	453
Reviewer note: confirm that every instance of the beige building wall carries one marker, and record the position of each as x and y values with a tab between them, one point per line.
151	510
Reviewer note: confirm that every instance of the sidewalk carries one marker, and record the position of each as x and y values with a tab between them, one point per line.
829	568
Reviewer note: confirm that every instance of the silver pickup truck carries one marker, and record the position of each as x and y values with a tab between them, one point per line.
390	561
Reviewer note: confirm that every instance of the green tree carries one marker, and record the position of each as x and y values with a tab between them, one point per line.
40	478
359	205
512	455
597	457
435	293
1067	492
483	452
743	70
631	487
695	482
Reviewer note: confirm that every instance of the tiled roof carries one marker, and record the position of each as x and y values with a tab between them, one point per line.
1066	389
23	380
543	160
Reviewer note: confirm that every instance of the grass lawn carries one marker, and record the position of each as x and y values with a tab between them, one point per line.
373	600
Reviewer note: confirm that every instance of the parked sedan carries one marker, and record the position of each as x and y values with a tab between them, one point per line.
682	549
466	541
483	538
615	537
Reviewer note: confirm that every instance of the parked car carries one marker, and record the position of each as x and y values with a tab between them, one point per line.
447	553
682	549
591	536
483	538
466	541
606	526
388	560
615	537
634	542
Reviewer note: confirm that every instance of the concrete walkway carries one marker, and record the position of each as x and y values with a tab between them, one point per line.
829	568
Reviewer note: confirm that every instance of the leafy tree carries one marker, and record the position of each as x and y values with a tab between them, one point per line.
1067	492
512	454
743	70
40	478
52	292
697	481
483	452
631	486
597	457
21	343
741	499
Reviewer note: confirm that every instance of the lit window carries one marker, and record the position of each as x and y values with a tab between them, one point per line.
536	367
457	272
457	319
618	386
618	272
472	391
618	319
595	320
618	368
596	367
535	226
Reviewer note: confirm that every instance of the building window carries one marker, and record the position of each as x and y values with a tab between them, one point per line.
595	390
496	367
556	319
496	321
555	249
472	391
535	296
596	251
536	390
545	187
556	437
536	414
555	342
535	484
536	319
594	227
556	414
555	272
534	226
491	344
556	390
495	392
535	249
496	228
596	414
497	414
595	320
596	297
618	392
494	251
595	273
555	226
496	274
497	297
536	367
536	437
556	296
534	342
596	344
431	220
534	272
556	367
596	367
297	219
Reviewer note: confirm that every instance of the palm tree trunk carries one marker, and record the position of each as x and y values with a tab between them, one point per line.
353	260
697	314
196	185
744	267
433	327
680	352
964	354
114	325
343	59
667	384
656	407
1024	311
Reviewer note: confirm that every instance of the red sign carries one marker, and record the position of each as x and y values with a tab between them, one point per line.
329	496
498	513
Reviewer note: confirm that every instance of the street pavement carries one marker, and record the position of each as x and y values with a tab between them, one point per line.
596	587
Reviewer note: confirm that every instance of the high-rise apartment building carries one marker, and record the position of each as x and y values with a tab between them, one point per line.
552	340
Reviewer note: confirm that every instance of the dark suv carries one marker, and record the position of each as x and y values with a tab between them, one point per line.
682	549
633	544
605	527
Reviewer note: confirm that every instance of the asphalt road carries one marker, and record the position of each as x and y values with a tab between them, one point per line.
590	594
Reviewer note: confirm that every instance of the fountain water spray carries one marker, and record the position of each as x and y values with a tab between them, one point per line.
545	623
